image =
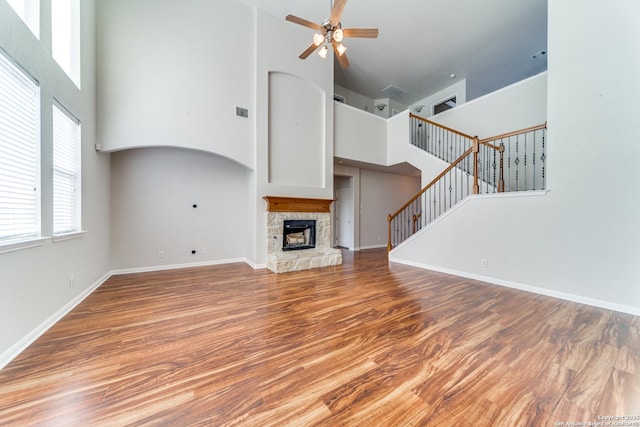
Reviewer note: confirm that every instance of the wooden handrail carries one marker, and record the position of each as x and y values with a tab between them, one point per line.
485	141
432	183
499	148
464	135
476	142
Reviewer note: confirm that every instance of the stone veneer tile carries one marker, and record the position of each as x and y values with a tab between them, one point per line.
323	255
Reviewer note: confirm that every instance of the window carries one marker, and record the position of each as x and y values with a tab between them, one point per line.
19	154
66	172
65	36
445	105
29	11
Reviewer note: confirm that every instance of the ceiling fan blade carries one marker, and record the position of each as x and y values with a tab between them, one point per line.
303	22
342	59
370	33
336	11
308	52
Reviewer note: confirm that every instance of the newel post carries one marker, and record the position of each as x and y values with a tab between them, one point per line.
389	246
476	150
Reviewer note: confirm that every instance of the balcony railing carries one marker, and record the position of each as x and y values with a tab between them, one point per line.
513	161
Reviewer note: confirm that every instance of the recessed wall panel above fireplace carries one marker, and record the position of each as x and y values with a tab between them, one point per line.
297	136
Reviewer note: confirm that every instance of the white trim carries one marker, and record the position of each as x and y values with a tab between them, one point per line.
67	236
22	244
527	288
177	266
9	354
364	248
255	266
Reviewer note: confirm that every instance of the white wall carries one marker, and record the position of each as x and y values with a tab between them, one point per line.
359	135
355	99
518	106
381	194
458	89
35	283
579	241
153	193
173	76
296	137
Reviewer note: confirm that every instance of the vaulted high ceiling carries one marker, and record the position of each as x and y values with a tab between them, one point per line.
422	43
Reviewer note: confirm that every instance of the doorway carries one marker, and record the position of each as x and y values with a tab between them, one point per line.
344	213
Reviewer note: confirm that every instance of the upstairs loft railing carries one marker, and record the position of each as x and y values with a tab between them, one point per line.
445	143
513	161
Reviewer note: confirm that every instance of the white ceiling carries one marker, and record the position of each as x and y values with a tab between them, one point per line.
423	42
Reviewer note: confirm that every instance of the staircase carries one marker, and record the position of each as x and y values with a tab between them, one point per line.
508	162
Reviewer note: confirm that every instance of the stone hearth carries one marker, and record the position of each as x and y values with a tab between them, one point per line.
280	209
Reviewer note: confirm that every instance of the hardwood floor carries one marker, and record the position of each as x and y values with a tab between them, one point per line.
365	343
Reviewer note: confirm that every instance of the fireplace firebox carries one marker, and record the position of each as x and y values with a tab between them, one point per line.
299	234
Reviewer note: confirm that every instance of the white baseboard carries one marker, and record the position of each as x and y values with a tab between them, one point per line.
9	354
522	287
255	266
364	248
176	266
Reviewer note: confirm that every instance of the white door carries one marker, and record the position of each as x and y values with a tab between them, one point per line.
344	232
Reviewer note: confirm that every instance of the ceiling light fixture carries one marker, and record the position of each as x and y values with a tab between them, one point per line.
318	39
323	52
329	35
338	35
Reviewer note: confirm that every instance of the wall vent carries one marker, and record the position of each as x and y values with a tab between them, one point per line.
242	112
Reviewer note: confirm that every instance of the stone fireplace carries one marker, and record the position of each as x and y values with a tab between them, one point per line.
298	253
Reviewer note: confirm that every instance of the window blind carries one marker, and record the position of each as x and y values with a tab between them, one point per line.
19	153
66	173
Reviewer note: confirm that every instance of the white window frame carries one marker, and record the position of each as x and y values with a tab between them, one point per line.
19	157
66	170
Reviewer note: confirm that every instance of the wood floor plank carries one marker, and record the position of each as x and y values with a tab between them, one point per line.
365	343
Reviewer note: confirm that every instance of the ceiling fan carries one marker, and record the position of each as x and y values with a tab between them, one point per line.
330	32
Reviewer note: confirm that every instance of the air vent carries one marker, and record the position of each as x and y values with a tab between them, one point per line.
394	91
242	112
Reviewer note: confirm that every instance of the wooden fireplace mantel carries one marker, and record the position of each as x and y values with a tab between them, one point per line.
294	204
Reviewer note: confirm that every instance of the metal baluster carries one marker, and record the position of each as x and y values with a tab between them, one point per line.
525	161
493	165
533	158
517	163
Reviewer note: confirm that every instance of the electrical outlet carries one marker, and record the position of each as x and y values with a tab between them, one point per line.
204	251
72	281
183	252
160	254
484	263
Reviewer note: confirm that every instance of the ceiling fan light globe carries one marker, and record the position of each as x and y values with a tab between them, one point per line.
338	34
341	49
318	39
323	52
